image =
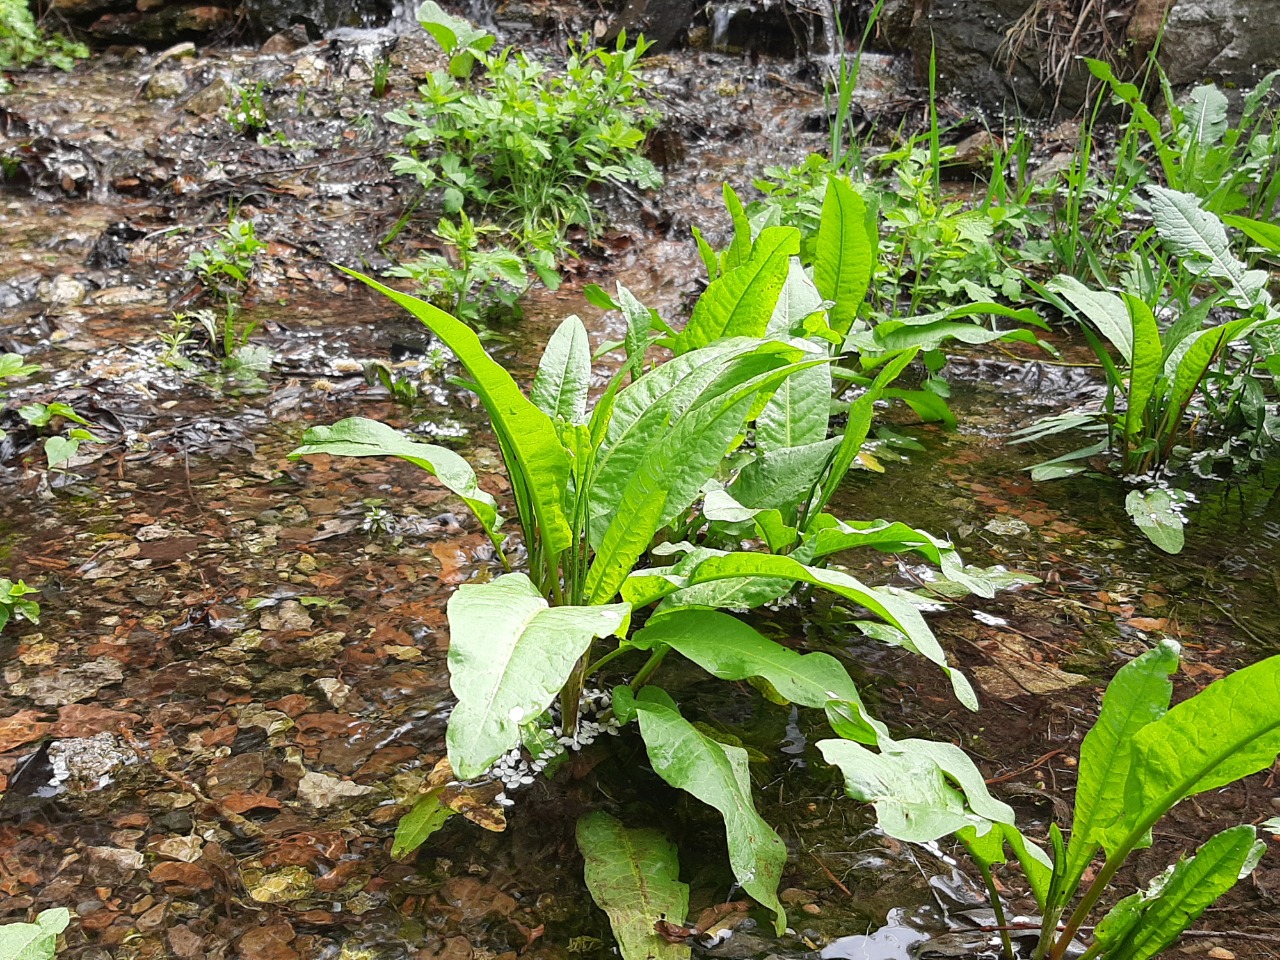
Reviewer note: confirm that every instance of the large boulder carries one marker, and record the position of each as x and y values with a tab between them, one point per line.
1235	42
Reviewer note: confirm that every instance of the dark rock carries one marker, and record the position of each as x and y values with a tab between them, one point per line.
663	22
164	25
1229	41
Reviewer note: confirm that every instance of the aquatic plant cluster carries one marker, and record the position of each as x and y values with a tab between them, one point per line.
666	487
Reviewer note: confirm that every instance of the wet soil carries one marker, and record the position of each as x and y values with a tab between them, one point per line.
239	676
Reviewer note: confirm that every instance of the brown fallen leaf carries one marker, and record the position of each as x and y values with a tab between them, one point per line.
22	728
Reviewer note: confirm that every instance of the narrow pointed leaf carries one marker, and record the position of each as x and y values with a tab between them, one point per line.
1191	887
911	631
717	774
358	437
509	655
1261	232
1148	364
845	256
634	877
537	463
739	251
416	827
560	385
1199	356
1137	696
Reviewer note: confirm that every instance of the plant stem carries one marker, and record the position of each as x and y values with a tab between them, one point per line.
611	655
997	905
647	671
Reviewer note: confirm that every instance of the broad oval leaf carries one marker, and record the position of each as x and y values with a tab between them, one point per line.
798	412
716	773
634	877
509	655
536	462
1104	310
560	386
798	301
359	437
1198	236
1228	730
1157	513
910	784
727	648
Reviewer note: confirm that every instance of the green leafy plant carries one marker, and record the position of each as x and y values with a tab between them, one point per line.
34	941
655	471
480	278
246	112
229	258
60	448
506	135
1139	761
13	602
23	44
1156	374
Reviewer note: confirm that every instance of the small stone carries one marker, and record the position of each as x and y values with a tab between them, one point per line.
62	291
179	51
287	41
166	85
210	100
1221	953
812	908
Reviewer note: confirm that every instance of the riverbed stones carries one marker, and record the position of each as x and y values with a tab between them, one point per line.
62	291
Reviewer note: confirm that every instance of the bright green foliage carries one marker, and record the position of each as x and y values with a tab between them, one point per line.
13	602
1140	760
23	44
246	112
1156	373
634	876
229	258
34	941
502	133
59	449
645	472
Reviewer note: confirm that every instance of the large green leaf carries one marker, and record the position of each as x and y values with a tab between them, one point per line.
910	631
1104	310
798	300
641	415
564	374
1199	355
921	790
538	464
717	774
1227	731
845	255
988	848
1198	236
509	655
634	877
34	941
784	478
1137	696
668	478
828	535
797	413
358	437
1157	512
727	648
1148	364
1259	231
1157	918
740	302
